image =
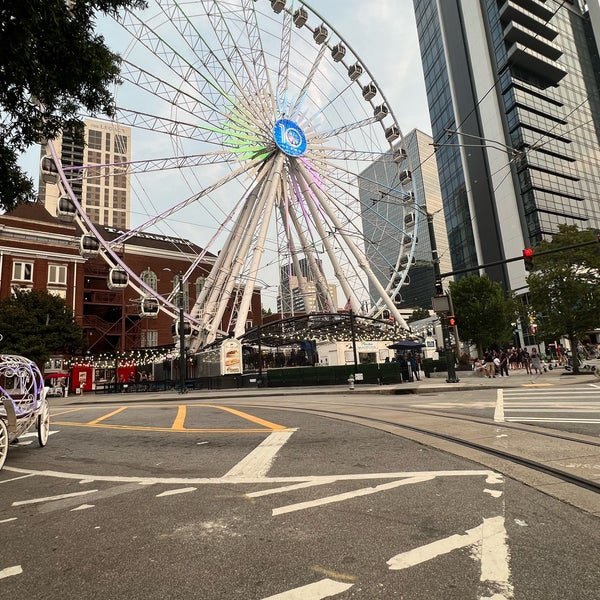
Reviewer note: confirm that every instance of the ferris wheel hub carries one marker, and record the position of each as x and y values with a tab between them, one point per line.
289	137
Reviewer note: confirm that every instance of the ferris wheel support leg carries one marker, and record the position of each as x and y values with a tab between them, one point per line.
362	261
271	191
306	191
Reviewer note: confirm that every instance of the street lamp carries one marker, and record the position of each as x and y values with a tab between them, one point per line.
182	351
182	356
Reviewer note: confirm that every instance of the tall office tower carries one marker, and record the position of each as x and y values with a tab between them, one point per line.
104	192
513	93
387	226
291	298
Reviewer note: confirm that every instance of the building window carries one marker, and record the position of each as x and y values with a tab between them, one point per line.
94	139
22	271
58	293
57	274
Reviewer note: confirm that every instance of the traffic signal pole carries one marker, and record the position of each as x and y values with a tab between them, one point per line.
441	301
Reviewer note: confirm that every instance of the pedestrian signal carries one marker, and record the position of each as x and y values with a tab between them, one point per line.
451	321
528	259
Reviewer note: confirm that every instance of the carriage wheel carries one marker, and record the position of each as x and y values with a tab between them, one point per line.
3	442
43	425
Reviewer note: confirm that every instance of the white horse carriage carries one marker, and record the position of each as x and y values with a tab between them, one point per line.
23	402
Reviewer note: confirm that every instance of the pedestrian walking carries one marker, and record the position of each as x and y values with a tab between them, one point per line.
536	362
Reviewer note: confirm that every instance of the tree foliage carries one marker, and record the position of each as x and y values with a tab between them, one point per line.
482	312
51	57
418	314
565	285
37	325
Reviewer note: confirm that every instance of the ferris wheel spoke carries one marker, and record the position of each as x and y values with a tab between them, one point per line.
243	169
210	116
247	63
159	124
362	262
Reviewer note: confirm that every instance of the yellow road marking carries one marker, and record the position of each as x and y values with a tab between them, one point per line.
257	420
179	419
110	414
163	429
179	422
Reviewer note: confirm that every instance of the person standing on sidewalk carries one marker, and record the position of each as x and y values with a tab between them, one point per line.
503	363
536	362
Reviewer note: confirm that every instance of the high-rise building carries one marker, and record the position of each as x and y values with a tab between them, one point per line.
513	93
103	188
389	229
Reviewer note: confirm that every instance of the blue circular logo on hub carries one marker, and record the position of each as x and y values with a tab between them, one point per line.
289	137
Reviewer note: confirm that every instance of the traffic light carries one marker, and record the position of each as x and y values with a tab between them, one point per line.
385	315
451	321
528	259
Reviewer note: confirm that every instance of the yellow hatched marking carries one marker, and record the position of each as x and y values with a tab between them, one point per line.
178	424
107	416
162	429
257	420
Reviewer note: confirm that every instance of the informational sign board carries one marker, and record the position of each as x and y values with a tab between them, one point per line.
231	357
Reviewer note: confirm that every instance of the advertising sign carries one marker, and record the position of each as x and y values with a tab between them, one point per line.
231	357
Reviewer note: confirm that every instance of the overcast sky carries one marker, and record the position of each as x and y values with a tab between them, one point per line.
384	34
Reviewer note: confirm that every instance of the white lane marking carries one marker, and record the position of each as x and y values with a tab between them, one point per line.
314	591
259	461
10	571
290	488
174	492
8	520
499	411
17	478
52	498
550	420
349	495
83	507
495	557
493	493
245	480
489	538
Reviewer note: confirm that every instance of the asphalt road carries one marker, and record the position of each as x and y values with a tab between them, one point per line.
216	502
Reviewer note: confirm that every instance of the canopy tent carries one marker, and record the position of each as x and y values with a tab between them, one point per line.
406	345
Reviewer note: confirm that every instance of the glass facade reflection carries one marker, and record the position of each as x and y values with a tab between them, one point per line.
513	92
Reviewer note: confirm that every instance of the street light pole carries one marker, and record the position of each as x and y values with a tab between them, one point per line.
182	356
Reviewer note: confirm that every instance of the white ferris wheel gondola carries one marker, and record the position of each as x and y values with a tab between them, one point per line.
118	279
65	210
149	307
89	246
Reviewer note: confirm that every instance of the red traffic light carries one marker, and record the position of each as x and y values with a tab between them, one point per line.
451	321
528	259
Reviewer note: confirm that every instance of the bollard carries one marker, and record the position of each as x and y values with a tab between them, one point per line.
351	382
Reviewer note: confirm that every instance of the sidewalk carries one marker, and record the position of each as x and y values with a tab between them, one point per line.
468	380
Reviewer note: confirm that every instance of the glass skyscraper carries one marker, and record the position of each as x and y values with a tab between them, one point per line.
513	92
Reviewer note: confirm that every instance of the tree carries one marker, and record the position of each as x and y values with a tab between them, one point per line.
36	324
564	287
51	57
482	311
418	314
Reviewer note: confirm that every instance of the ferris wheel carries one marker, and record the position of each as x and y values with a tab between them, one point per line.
261	136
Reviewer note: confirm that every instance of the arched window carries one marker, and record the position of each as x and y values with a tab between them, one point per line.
149	278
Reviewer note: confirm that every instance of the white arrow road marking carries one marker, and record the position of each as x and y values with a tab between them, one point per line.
52	498
83	507
314	591
491	541
8	520
259	461
174	492
348	495
10	571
